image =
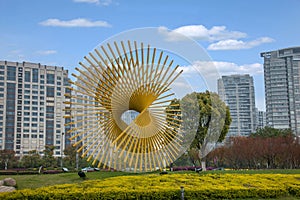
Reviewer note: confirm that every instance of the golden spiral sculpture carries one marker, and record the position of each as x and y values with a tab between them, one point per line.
126	80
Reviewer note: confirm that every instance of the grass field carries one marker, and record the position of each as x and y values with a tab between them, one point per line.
36	181
41	180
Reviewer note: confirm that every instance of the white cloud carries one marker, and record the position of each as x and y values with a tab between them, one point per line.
80	22
209	72
209	68
238	44
220	37
16	54
47	52
200	32
98	2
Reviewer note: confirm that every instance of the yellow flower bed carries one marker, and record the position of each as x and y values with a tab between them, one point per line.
210	186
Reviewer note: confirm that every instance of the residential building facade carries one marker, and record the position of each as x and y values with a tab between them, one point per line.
237	91
282	88
261	119
32	107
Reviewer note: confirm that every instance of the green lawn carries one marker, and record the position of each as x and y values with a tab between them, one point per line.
35	181
41	180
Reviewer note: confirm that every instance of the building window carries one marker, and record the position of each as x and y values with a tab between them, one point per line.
50	78
27	76
35	75
50	91
11	73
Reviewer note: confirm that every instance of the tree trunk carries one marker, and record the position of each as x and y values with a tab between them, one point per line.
6	163
203	163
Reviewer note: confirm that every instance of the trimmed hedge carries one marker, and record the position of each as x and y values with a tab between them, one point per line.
28	172
14	172
208	186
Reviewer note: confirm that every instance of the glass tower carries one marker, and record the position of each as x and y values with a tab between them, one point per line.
237	91
282	88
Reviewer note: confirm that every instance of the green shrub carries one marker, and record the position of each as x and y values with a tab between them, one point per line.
167	187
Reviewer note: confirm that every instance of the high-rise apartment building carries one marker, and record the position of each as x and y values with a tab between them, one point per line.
282	88
32	107
261	119
237	91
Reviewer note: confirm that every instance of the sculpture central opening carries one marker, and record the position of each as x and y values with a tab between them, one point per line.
129	115
142	119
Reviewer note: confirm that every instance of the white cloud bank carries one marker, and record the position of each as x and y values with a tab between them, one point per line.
238	44
46	52
200	32
98	2
222	68
79	22
220	37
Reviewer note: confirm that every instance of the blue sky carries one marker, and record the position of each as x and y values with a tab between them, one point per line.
233	32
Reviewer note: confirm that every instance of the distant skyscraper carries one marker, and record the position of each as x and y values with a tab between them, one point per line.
237	91
32	107
261	119
282	88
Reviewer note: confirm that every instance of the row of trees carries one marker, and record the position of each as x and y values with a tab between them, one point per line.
206	120
33	159
267	148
